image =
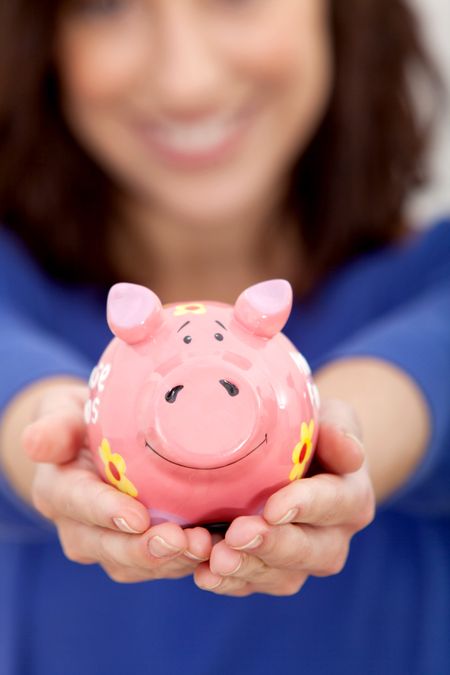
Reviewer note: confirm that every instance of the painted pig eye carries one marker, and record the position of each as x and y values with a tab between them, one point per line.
219	337
187	339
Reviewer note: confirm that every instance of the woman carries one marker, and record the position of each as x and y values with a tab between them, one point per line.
188	147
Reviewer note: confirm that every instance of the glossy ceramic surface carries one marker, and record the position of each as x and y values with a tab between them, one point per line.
201	410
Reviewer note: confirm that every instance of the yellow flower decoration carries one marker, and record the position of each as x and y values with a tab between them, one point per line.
302	451
115	469
190	308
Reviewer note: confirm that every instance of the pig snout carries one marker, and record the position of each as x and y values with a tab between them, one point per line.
171	396
206	418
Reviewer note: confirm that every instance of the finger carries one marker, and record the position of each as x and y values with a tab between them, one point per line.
249	577
246	533
225	561
127	559
133	575
339	446
222	586
322	500
79	494
60	430
199	544
156	554
312	550
208	581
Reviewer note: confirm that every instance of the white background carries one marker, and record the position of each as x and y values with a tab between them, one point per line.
434	200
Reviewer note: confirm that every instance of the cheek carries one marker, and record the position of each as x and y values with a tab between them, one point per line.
95	71
303	55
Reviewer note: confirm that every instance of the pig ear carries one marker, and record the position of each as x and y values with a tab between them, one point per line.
264	308
133	312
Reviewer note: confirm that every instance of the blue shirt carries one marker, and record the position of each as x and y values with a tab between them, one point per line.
387	613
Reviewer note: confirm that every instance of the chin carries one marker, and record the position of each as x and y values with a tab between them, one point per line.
210	204
208	218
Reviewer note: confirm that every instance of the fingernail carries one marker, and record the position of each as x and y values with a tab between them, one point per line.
238	566
160	548
290	515
190	555
355	440
254	543
122	525
213	585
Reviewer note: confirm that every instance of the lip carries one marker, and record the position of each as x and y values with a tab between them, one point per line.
197	468
150	137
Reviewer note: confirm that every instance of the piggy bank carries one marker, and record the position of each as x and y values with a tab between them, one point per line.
201	410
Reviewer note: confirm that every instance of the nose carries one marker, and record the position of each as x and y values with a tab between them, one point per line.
205	414
230	387
188	69
171	395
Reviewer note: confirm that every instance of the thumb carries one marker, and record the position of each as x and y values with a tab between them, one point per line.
59	432
340	448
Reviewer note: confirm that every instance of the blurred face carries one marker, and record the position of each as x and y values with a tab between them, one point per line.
198	107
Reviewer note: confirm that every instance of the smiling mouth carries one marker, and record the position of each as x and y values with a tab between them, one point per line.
199	143
199	468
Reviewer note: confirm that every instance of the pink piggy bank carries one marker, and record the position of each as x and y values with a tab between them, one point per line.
201	410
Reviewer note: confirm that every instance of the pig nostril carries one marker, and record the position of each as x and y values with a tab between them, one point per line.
230	387
171	395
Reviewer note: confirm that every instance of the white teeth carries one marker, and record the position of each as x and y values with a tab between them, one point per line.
195	137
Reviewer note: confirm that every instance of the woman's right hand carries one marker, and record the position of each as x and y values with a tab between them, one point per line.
97	523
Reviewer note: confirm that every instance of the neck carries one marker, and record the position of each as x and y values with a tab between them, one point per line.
185	261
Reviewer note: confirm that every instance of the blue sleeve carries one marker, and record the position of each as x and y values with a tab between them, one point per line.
27	354
416	338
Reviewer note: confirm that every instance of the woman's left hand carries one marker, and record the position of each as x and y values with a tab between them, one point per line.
306	527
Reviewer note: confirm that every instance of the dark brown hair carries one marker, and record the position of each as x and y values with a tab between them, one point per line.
348	189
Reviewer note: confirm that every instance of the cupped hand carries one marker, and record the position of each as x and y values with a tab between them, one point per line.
306	527
97	523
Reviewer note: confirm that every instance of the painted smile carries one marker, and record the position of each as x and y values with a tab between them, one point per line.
186	466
